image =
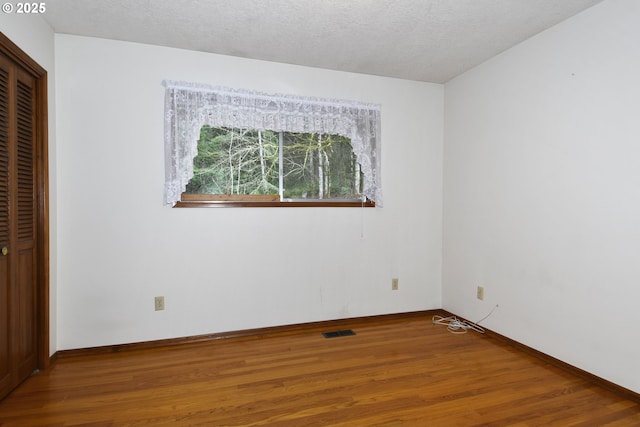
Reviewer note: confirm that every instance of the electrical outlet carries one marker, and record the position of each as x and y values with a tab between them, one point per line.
394	284
480	293
159	303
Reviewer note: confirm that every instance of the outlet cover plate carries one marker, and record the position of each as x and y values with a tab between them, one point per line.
159	302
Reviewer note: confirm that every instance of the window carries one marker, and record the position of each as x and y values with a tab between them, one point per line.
245	147
292	166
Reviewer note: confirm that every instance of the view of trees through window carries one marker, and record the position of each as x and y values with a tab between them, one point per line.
306	165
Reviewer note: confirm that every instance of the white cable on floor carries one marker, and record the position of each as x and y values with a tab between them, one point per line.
457	326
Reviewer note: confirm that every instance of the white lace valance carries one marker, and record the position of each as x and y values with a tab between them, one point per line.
190	106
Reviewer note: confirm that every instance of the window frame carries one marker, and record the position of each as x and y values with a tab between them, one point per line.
188	199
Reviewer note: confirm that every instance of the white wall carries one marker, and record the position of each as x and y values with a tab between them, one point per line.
228	269
34	36
542	192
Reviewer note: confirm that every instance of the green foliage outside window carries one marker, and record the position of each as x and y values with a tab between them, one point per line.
239	161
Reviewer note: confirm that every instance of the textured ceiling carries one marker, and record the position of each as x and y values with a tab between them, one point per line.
425	40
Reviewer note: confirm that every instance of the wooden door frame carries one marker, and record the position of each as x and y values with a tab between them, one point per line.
17	55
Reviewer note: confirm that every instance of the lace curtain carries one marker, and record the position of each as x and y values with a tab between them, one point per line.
189	106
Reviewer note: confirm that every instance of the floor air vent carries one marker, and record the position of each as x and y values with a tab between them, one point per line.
342	333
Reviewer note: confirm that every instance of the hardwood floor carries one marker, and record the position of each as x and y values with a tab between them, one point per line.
391	373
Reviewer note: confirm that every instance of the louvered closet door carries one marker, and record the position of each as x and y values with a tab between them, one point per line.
18	349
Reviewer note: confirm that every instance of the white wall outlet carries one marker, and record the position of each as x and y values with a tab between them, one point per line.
394	284
159	301
480	293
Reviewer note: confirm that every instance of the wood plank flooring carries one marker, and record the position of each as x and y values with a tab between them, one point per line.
391	373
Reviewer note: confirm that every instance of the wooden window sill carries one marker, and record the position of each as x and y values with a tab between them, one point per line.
266	201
